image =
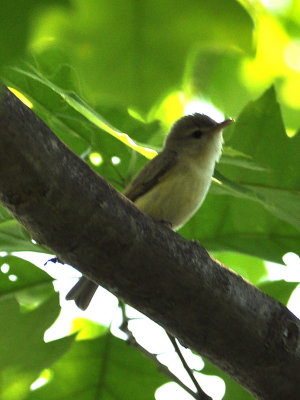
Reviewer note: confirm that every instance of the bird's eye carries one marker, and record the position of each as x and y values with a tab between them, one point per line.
197	134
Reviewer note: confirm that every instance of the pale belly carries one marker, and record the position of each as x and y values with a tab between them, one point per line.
177	197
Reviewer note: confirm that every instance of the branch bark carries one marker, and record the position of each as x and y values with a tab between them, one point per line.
88	224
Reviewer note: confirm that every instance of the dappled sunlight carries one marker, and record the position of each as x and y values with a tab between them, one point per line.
277	59
43	379
126	139
115	160
290	91
170	109
12	277
95	158
269	62
4	268
292	55
21	97
277	6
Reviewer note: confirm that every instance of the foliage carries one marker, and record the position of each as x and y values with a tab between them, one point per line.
95	70
23	351
103	368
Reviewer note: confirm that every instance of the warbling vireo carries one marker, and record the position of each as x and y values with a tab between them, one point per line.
173	185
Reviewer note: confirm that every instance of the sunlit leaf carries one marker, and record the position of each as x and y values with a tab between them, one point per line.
80	106
24	354
105	368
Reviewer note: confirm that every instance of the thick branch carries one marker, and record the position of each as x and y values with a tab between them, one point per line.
86	223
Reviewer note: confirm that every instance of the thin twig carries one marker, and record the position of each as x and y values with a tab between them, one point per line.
201	394
163	368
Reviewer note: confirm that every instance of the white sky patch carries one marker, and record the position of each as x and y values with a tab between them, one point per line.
290	272
203	107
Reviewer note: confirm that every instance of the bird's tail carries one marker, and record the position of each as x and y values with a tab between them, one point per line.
82	292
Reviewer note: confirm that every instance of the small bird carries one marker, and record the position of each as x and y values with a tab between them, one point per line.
172	186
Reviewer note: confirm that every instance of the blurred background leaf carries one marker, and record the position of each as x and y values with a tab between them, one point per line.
91	69
24	354
13	237
104	368
251	268
17	21
22	279
135	52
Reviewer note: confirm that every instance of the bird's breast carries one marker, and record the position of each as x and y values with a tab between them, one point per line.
178	195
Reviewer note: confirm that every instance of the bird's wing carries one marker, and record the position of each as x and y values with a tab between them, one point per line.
151	174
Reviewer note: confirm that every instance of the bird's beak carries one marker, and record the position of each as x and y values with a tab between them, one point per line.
225	123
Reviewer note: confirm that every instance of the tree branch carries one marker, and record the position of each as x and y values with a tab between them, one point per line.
86	223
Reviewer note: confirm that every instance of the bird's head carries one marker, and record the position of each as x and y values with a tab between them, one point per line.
197	135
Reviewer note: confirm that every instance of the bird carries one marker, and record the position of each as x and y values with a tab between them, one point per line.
172	186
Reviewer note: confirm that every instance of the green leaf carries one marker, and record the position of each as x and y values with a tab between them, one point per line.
4	215
105	368
251	268
16	24
74	101
239	159
24	354
78	125
226	223
216	75
30	285
14	237
134	54
280	290
282	203
285	204
252	211
260	133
